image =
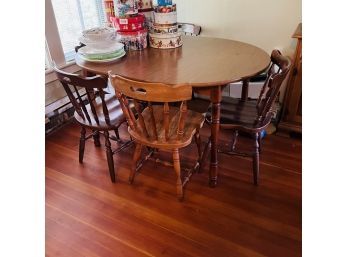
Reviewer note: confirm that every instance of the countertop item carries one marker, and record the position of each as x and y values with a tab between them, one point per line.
165	41
113	59
129	24
98	34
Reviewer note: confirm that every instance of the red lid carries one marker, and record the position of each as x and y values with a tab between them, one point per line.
132	33
129	20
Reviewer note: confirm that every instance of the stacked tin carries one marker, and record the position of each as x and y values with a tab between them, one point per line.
164	32
109	10
145	8
129	24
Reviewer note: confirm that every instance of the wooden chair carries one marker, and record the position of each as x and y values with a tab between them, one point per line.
160	125
189	29
252	117
101	114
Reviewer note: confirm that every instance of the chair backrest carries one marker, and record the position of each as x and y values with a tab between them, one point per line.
94	90
158	93
279	68
189	29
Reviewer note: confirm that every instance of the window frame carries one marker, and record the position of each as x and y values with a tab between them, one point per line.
53	45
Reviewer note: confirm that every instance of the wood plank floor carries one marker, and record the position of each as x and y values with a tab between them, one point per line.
87	215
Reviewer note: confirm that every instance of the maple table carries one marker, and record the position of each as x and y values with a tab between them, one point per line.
207	64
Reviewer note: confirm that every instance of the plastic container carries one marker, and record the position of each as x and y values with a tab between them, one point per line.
128	24
165	41
136	40
125	8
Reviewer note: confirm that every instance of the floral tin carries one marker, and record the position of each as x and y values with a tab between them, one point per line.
136	40
165	18
145	5
149	19
165	9
165	41
164	29
125	8
128	24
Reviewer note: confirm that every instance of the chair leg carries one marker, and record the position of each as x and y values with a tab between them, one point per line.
204	155
136	157
82	144
259	141
117	134
109	157
234	142
96	138
176	162
199	149
256	160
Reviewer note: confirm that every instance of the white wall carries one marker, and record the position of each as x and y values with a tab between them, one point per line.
267	24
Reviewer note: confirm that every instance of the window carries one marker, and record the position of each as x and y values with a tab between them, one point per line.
47	58
72	17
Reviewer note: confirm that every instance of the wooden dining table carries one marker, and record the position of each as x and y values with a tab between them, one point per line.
207	64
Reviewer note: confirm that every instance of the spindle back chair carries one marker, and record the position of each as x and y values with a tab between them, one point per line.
252	117
100	112
155	122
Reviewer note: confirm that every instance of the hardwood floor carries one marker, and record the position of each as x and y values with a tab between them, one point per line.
87	215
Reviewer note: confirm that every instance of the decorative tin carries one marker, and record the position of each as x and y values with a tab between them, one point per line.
133	40
164	29
165	9
145	5
125	8
165	18
109	9
149	19
165	41
128	24
164	2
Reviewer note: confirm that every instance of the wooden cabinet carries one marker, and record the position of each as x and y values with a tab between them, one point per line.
291	119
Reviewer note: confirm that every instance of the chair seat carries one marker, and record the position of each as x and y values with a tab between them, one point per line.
238	112
193	122
115	114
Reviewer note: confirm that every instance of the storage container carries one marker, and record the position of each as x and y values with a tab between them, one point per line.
164	2
165	41
109	9
128	24
133	40
164	29
125	8
165	18
165	9
145	5
149	19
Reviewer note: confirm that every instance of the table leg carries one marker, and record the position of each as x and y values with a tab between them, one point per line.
215	98
245	90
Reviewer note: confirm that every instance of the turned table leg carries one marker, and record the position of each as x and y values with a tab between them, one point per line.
245	90
215	97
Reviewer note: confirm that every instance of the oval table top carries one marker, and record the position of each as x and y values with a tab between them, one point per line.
200	62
